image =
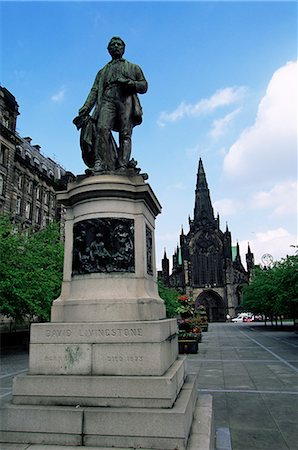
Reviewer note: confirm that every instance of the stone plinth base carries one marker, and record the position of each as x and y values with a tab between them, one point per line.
111	391
201	434
149	428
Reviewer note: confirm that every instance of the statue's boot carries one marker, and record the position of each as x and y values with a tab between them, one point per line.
124	152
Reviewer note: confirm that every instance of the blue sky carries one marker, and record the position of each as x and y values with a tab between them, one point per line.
222	85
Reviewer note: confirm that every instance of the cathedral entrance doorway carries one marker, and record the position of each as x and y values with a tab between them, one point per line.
214	304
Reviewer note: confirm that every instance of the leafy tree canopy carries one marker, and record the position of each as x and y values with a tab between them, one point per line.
170	297
31	266
274	291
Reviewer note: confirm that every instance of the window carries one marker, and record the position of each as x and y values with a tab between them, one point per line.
3	155
30	187
1	184
5	121
27	156
51	202
38	215
36	162
18	205
28	210
20	181
46	198
38	193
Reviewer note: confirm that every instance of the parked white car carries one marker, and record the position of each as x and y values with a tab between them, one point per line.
242	317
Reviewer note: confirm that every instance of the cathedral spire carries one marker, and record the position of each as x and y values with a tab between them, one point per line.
165	265
203	207
250	261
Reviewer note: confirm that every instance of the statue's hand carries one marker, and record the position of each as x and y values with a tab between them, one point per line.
79	121
126	83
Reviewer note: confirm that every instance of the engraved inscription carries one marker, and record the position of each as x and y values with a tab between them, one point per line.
103	332
58	333
125	358
54	358
111	332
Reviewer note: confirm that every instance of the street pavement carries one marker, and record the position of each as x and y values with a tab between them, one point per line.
13	361
252	374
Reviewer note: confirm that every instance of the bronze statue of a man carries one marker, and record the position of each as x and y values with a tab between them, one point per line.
116	107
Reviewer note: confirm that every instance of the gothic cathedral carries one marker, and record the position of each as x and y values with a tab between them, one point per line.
206	266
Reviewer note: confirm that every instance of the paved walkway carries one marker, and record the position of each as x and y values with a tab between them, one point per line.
253	377
13	362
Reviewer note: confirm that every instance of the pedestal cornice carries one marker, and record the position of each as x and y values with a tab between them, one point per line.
109	186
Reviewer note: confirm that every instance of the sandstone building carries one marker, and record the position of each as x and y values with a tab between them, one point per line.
205	265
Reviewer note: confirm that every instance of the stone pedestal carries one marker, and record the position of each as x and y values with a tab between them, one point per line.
105	372
124	293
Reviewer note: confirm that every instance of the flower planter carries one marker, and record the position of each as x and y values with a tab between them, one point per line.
188	346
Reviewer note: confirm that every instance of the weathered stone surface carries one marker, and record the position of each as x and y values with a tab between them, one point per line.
60	359
148	428
138	348
140	422
38	424
116	391
202	432
133	359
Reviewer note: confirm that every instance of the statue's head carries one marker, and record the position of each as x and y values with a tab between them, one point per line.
116	47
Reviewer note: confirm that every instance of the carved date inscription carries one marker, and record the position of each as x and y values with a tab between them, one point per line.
103	245
120	358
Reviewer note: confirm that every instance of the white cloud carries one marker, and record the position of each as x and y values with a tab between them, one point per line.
281	199
220	98
227	206
220	126
276	242
168	237
267	149
59	96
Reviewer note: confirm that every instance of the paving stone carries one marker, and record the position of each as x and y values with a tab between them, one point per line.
261	439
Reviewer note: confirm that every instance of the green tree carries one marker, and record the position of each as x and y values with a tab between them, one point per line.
31	266
286	278
170	297
274	292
